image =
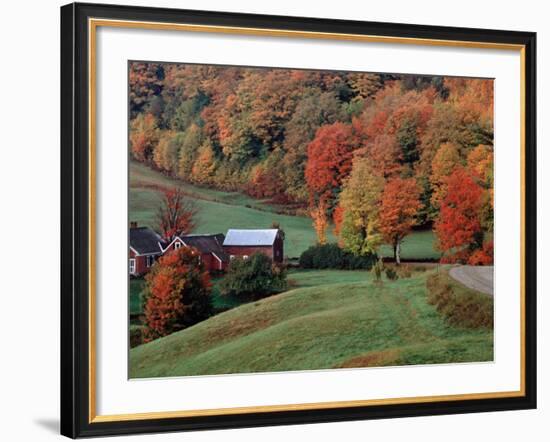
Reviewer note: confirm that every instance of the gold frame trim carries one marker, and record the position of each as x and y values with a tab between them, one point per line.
93	24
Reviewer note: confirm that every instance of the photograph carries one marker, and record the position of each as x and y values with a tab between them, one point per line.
275	221
285	219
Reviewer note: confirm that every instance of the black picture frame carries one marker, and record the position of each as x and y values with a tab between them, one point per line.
75	220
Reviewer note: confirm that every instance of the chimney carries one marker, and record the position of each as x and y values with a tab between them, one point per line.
133	224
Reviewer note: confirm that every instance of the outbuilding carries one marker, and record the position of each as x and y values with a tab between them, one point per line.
245	242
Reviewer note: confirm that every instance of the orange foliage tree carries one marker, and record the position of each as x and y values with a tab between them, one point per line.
399	207
318	214
177	293
443	164
384	151
483	256
329	161
338	219
176	214
458	226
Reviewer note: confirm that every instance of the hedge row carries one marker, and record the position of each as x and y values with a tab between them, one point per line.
330	256
460	307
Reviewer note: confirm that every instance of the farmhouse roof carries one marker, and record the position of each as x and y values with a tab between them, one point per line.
145	240
207	244
250	237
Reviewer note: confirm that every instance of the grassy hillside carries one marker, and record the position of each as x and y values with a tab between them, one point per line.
350	323
219	211
296	278
143	176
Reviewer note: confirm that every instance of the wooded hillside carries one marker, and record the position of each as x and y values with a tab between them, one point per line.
373	154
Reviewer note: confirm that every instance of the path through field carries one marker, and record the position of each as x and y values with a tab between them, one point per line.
478	278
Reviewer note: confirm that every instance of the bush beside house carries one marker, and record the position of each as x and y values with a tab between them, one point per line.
253	278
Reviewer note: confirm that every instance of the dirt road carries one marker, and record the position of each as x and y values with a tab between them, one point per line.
478	278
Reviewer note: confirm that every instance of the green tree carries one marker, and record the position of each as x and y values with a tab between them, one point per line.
146	82
188	112
407	137
253	278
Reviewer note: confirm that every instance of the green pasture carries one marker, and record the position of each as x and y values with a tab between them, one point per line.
347	320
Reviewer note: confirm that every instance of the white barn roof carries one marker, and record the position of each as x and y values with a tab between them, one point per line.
250	237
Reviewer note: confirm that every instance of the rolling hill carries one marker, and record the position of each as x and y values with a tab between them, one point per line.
318	325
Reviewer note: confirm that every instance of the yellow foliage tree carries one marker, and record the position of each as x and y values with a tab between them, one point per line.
480	165
165	156
445	160
360	200
205	165
144	136
320	221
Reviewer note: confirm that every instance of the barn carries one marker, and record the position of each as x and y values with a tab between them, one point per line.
213	256
245	242
146	246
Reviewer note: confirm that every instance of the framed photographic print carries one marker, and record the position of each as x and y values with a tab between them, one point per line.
278	220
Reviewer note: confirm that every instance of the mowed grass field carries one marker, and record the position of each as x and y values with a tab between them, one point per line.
220	211
331	319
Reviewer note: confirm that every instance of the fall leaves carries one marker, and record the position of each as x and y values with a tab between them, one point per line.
371	153
329	161
410	159
177	293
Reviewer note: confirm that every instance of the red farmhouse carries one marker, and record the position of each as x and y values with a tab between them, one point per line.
245	242
216	250
145	247
213	256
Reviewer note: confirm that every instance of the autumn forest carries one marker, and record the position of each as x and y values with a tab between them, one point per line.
287	219
368	156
